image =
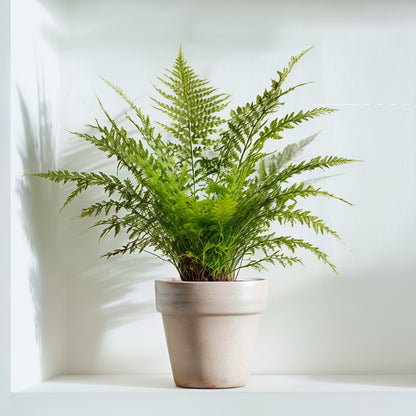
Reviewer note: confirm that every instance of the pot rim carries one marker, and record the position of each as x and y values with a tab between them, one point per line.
241	297
176	280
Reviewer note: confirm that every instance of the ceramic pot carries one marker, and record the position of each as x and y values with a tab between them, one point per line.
210	329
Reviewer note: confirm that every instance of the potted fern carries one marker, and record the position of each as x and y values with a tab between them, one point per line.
202	196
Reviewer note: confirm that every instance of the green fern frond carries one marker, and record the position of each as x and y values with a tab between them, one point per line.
84	180
286	70
290	121
145	127
204	196
301	190
294	243
193	106
319	162
305	218
249	129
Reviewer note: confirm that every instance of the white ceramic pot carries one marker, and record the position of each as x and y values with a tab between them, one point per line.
210	329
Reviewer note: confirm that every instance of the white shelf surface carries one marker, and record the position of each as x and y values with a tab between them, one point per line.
257	384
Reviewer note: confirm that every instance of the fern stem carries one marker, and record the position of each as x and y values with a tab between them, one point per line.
189	112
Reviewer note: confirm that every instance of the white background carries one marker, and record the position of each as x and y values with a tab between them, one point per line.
73	312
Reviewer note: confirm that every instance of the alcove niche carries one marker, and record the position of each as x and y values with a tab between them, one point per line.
83	323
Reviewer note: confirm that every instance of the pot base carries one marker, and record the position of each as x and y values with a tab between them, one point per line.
208	386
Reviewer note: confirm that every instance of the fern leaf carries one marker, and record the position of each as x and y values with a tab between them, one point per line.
319	162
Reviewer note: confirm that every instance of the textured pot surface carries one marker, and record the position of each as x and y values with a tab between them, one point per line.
210	329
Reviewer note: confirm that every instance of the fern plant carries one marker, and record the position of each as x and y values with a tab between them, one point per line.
204	194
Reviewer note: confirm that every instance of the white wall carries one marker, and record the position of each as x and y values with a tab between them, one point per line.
363	63
37	280
4	206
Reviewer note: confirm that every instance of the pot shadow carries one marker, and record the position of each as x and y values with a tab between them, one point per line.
148	381
70	284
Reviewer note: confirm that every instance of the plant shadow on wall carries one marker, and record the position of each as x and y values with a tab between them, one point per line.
69	279
37	150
